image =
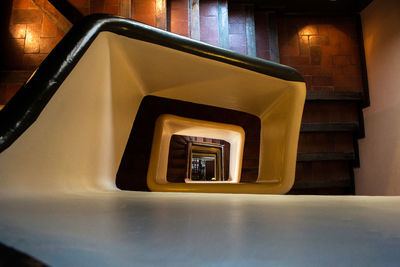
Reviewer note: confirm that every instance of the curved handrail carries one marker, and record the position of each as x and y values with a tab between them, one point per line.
25	107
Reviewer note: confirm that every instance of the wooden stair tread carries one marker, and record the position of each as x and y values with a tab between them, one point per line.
334	96
301	157
329	127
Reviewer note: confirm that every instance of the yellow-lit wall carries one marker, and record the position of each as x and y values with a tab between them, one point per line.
380	149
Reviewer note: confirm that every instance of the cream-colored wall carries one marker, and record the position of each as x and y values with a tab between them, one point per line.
380	149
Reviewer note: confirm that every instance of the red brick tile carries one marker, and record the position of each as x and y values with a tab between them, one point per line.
308	30
239	49
289	50
178	4
32	61
341	60
320	80
179	14
26	16
48	28
111	9
32	38
110	2
209	27
304	45
96	6
208	8
237	28
8	92
316	55
80	3
47	44
211	41
237	40
264	54
17	30
179	28
319	40
24	4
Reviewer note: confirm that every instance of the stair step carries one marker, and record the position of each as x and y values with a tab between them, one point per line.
330	111
334	96
322	184
315	142
301	157
330	127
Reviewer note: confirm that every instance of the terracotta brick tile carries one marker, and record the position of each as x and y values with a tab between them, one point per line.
12	58
341	60
237	40
179	14
264	54
208	8
80	3
179	28
179	4
237	28
3	88
304	45
146	19
320	80
319	40
316	55
23	4
9	92
110	2
310	70
26	16
48	28
111	9
17	30
32	38
352	70
84	10
330	50
96	6
144	7
308	30
239	49
32	61
323	29
289	50
47	44
214	42
209	27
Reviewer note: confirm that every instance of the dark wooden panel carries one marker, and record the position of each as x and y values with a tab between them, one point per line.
334	96
125	8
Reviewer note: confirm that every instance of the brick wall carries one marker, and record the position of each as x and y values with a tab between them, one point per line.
237	27
324	49
178	17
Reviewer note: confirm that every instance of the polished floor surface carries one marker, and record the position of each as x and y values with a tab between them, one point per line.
178	229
